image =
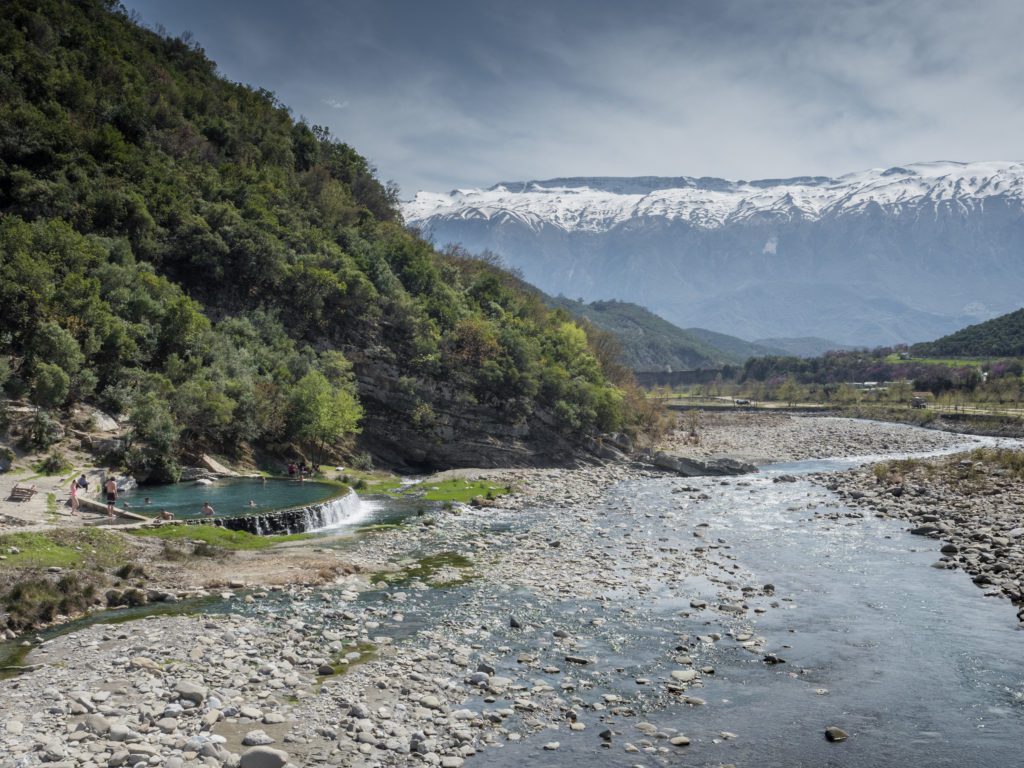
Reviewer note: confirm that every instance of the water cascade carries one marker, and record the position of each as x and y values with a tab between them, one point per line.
334	513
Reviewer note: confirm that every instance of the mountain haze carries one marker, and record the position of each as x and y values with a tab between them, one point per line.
875	257
801	346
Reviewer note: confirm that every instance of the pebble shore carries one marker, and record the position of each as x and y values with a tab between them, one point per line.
361	673
764	438
230	689
973	509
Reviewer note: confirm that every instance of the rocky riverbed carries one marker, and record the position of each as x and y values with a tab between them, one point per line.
971	504
477	628
189	691
764	438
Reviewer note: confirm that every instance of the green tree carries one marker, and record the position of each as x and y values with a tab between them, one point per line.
53	344
51	386
323	414
789	391
152	449
166	231
900	391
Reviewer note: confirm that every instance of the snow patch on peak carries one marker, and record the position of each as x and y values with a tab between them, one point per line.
597	204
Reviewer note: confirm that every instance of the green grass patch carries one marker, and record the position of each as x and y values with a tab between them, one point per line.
376	484
369	482
215	536
427	570
51	504
382	488
367	652
457	490
951	362
80	548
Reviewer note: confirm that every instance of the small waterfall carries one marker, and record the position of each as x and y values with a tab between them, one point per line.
317	518
336	513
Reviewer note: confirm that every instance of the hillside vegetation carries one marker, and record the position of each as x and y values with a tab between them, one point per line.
801	346
999	337
179	248
734	349
649	343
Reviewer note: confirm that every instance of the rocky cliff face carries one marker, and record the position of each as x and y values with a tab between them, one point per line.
877	257
430	427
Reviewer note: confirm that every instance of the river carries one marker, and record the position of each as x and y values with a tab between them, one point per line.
912	661
587	601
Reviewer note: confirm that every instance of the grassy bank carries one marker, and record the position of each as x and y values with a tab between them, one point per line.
47	576
457	490
56	573
215	536
996	425
86	548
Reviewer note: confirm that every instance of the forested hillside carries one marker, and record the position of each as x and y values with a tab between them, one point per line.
179	248
649	343
999	337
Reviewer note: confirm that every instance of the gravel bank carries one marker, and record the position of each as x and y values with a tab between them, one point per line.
971	504
763	438
361	673
196	691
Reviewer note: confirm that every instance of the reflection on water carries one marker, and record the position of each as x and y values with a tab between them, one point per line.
228	497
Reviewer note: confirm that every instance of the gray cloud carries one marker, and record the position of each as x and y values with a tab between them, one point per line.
446	94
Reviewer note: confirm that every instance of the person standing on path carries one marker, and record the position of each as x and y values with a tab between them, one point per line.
111	488
74	497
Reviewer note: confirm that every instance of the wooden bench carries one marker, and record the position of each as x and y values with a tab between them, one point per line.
22	492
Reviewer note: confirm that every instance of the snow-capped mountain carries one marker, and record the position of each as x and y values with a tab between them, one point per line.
878	256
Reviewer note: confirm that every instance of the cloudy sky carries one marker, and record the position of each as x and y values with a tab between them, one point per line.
443	93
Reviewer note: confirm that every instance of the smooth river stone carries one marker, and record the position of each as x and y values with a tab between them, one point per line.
835	733
263	757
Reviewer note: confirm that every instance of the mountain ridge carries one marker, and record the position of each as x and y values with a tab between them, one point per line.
877	257
582	202
651	343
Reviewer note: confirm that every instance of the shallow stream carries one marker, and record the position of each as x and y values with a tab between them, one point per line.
913	662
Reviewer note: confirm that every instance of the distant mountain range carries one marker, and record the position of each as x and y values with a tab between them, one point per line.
875	257
801	346
651	343
1000	337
